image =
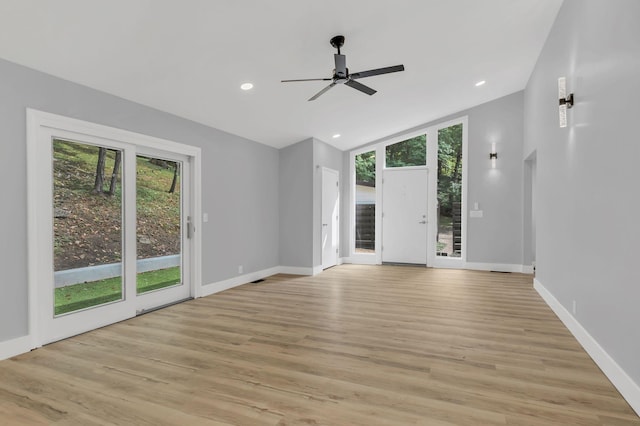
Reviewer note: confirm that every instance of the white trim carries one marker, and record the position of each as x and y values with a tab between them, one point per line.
380	161
450	263
13	347
196	241
33	130
219	286
528	269
498	267
629	389
46	119
362	259
295	270
317	269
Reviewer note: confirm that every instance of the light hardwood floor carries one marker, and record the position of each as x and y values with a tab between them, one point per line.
355	345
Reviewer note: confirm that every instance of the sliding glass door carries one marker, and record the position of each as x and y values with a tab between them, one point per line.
115	237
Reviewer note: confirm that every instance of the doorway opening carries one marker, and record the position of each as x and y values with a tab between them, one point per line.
330	217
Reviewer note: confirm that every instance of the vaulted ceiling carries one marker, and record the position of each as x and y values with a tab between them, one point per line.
189	58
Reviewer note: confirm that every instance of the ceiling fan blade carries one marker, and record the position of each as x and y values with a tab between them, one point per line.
341	65
320	93
307	79
361	87
377	71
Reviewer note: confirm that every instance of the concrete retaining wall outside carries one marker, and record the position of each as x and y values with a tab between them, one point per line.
101	272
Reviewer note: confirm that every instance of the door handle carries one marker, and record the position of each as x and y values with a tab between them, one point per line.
423	221
325	224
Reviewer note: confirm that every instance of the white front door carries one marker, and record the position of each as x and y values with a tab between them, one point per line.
404	215
330	219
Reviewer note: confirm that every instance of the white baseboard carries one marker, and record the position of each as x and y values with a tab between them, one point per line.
360	260
528	269
219	286
445	263
625	385
500	267
13	347
295	270
317	270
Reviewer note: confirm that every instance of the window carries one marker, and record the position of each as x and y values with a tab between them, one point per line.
410	152
449	234
365	229
87	225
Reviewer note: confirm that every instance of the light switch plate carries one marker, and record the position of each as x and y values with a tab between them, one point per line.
475	213
205	217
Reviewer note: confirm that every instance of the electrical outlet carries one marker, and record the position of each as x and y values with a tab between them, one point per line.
240	269
574	307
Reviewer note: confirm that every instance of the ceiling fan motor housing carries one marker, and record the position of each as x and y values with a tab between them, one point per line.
337	42
341	77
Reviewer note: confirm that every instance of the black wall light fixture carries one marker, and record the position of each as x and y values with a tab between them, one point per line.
565	101
493	155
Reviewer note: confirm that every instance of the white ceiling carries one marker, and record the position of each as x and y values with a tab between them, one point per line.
189	57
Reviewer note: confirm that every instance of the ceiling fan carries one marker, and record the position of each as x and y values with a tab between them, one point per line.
341	73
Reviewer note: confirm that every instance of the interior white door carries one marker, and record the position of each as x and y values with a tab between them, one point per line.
330	217
404	215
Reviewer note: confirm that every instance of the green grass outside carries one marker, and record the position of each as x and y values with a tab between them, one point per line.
80	296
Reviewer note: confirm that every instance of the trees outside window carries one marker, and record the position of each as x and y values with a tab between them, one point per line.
449	241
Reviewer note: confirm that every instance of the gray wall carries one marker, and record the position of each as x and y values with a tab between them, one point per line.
496	237
587	223
240	182
296	204
301	199
324	155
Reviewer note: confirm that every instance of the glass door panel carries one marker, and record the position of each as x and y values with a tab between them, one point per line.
87	226
450	167
365	208
159	218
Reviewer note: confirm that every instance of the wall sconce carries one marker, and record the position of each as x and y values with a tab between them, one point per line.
493	155
565	101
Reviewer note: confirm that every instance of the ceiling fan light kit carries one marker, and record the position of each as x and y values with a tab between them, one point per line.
341	73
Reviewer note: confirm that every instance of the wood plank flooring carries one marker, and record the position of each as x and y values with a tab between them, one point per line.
355	345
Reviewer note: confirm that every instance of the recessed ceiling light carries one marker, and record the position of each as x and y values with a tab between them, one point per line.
246	86
480	83
336	136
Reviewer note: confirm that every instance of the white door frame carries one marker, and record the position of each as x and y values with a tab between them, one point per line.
334	226
40	127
